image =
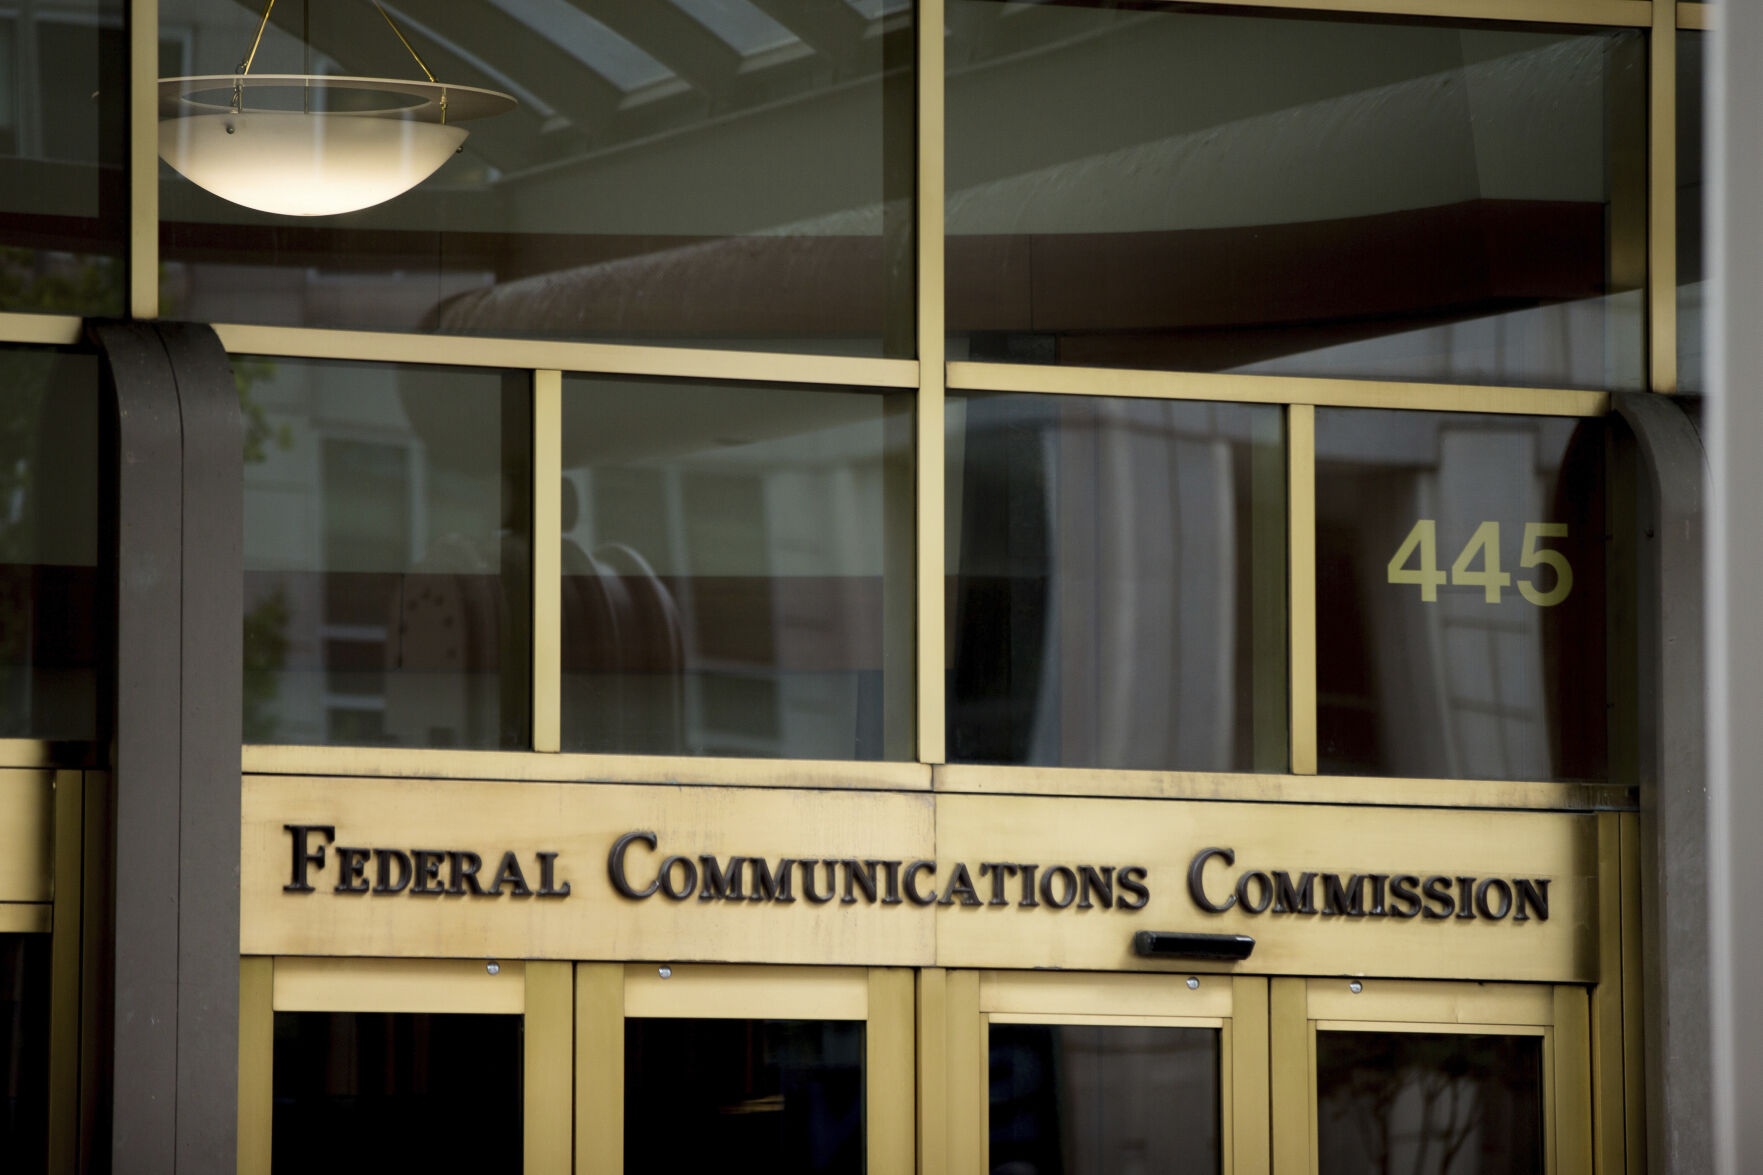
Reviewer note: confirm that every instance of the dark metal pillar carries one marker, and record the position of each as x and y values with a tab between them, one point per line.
174	534
1673	778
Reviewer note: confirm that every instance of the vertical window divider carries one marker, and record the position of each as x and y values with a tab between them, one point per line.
1301	484
143	157
256	1064
932	375
1662	198
64	981
547	549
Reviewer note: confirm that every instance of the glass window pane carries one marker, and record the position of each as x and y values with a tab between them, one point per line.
1431	1104
1118	583
64	213
736	570
1692	276
733	1095
24	1050
387	554
397	1091
49	644
1460	595
1098	1100
1143	186
704	173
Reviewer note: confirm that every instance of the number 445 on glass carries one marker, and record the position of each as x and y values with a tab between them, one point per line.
1422	545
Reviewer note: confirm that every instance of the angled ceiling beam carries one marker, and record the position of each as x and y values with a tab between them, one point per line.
667	34
831	28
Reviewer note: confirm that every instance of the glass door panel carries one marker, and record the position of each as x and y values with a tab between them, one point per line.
794	1069
1430	1078
1431	1103
1093	1074
454	1064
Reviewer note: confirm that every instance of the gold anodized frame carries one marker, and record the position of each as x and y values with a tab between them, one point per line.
945	1004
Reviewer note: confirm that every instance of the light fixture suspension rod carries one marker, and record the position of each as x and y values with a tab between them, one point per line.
245	65
399	33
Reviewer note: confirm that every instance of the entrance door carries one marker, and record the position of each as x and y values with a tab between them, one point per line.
686	1067
1430	1078
1086	1074
427	1064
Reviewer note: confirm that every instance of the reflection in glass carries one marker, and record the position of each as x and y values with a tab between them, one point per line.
1692	276
379	1091
1068	1100
744	1095
64	211
24	1050
48	544
1491	677
387	554
703	173
1118	583
736	570
1430	1104
1141	186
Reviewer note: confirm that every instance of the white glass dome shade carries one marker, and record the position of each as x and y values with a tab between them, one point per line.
299	145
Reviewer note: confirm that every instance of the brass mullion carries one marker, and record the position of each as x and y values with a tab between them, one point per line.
889	1083
1662	199
1301	578
64	965
599	1069
1275	389
541	354
547	548
52	329
1607	13
1289	1076
143	156
932	639
1697	16
1248	1093
1608	1129
256	1064
548	1063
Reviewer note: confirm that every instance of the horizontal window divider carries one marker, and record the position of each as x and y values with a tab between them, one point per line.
27	917
537	767
1698	16
1273	389
1621	13
45	753
567	357
54	329
1354	790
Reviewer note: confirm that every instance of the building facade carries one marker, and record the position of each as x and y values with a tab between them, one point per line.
732	619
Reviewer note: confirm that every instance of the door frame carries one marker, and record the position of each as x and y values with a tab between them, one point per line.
1560	1014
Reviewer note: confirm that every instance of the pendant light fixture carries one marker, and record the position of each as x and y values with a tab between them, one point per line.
314	145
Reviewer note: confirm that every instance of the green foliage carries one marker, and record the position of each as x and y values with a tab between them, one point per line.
266	650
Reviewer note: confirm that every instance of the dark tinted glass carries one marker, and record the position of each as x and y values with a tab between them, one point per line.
387	554
1093	1100
1692	276
63	139
48	543
1444	1104
702	172
397	1091
737	567
743	1095
1460	595
1117	583
24	1050
1135	185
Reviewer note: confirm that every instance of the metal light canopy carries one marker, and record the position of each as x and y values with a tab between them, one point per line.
314	145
